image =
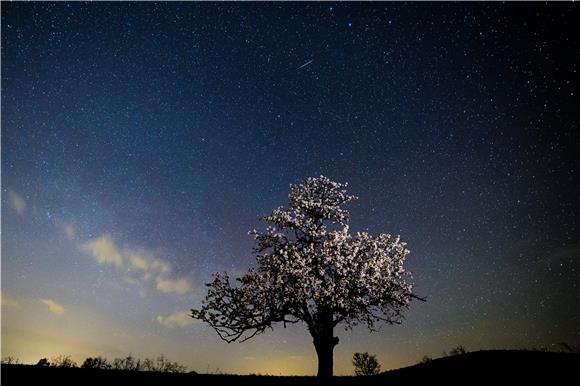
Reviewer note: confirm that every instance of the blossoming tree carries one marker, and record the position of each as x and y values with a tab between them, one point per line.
311	270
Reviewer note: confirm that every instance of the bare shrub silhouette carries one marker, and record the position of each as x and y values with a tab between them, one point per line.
96	363
129	363
63	361
163	365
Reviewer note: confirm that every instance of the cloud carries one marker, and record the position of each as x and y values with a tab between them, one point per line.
17	202
8	301
160	266
53	306
138	263
177	319
156	268
168	286
151	267
104	250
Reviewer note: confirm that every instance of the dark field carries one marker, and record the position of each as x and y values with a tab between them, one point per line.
500	366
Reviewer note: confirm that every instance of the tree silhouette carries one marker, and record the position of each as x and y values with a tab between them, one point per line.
311	269
365	364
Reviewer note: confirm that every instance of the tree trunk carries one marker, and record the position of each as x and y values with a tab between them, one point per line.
324	343
324	351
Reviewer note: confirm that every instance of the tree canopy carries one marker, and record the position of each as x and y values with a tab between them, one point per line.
311	269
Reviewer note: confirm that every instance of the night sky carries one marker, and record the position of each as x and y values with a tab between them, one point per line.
141	142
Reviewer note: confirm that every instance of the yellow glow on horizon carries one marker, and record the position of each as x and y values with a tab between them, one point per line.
285	365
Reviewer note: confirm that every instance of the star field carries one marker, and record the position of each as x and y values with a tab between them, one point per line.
142	141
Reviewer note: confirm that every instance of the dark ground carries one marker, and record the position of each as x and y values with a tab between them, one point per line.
497	367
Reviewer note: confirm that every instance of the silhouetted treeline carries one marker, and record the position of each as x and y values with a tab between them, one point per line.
490	367
481	367
129	363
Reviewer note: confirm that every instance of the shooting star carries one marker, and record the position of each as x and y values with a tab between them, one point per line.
305	64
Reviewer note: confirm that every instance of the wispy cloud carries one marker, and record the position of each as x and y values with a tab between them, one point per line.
138	265
8	301
104	250
148	265
139	262
178	286
159	265
17	202
177	319
53	306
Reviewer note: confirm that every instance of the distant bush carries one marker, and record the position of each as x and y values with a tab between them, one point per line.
561	347
457	350
569	348
63	361
163	365
148	365
10	360
365	364
129	363
425	359
43	362
96	363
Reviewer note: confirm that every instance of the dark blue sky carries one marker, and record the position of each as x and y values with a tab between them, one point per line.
141	134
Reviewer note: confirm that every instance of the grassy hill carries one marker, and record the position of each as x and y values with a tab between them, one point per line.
490	366
498	366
